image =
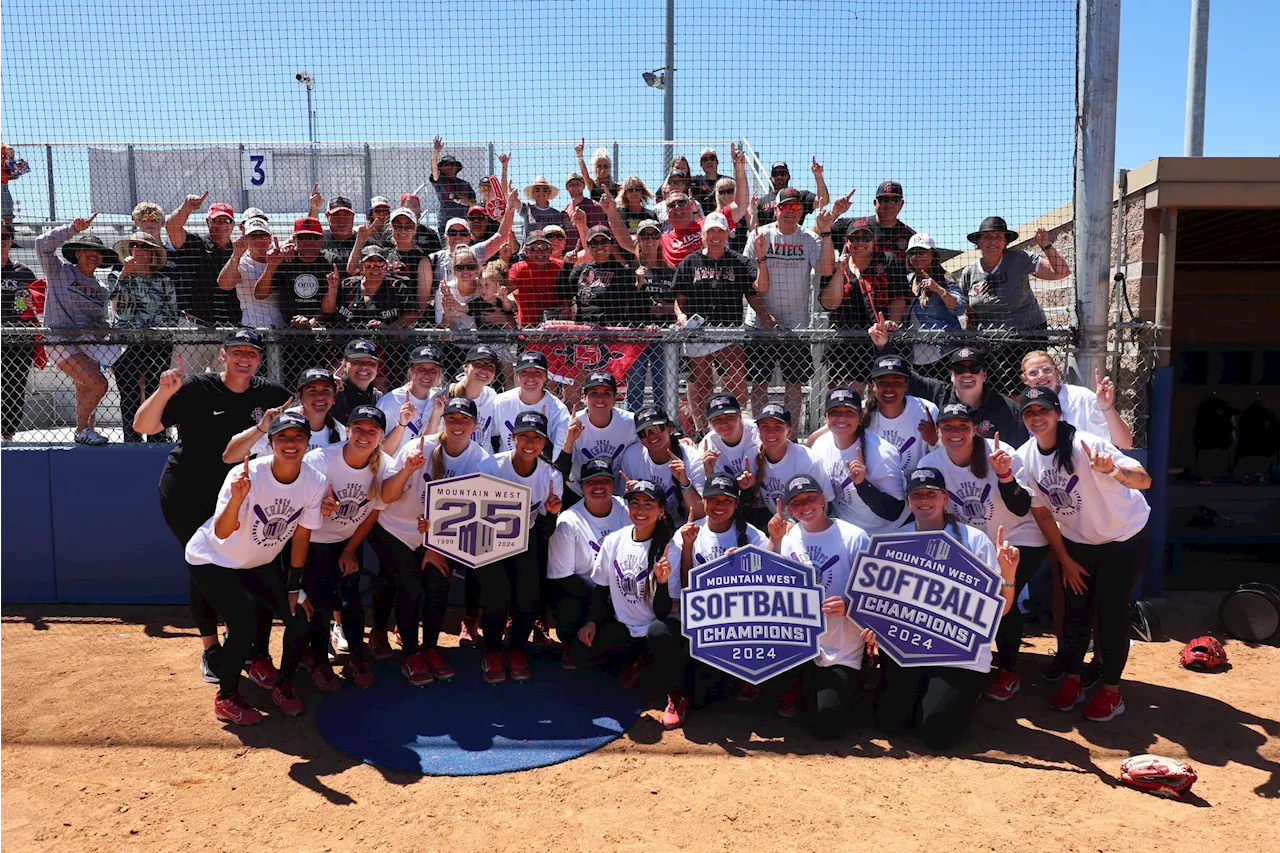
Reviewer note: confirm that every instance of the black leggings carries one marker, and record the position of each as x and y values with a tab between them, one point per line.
241	595
828	692
1113	569
1009	634
509	588
934	701
137	373
614	643
330	590
569	598
15	364
417	589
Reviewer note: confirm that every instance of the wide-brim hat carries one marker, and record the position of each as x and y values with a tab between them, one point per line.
89	241
124	247
994	223
446	159
541	181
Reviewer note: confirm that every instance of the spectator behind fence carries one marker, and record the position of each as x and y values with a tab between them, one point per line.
780	179
458	233
370	300
300	285
655	279
378	221
144	298
479	224
244	272
199	259
75	299
342	220
537	212
937	303
22	288
595	215
676	185
602	289
631	202
532	282
704	185
892	235
454	294
997	286
600	178
424	237
455	195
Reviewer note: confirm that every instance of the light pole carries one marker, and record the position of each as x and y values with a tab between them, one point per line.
665	78
308	80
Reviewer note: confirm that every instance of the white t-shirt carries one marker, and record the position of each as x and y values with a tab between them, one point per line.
257	313
577	539
638	465
772	482
481	435
544	477
711	545
977	502
831	553
1080	409
903	432
731	458
323	437
623	566
400	518
608	442
507	406
791	260
390	404
1090	508
268	517
884	471
350	488
465	323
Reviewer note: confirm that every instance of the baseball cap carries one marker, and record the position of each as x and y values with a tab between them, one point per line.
888	188
360	349
379	201
483	352
243	338
651	416
405	212
648	225
573	176
476	210
368	413
798	485
256	226
463	406
532	359
1039	397
601	379
339	202
288	420
926	478
457	222
308	226
599	231
890	365
534	422
955	411
645	487
553	229
537	237
721	484
425	355
707	152
715	220
779	167
963	354
316	374
790	196
255	213
922	241
597	467
372	252
7	230
860	224
723	404
775	412
220	209
842	398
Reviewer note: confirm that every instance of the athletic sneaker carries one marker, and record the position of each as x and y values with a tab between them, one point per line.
286	700
338	640
91	437
209	663
630	675
469	632
566	662
1105	705
307	663
1054	672
233	709
492	669
359	672
379	645
439	666
1091	674
677	707
416	671
540	636
263	673
1069	695
325	679
1003	685
745	691
518	663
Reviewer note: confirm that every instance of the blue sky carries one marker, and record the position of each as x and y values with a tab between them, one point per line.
968	102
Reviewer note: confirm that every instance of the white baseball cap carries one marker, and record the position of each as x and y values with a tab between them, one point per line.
715	220
922	241
256	226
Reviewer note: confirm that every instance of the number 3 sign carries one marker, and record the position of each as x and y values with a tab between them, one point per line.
477	519
257	170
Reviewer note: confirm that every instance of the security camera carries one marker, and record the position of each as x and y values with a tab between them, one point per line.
305	78
656	79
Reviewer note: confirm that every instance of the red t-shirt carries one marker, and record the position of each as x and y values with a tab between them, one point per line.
680	244
537	290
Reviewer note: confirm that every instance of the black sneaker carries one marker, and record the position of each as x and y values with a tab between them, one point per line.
1054	672
1091	674
209	662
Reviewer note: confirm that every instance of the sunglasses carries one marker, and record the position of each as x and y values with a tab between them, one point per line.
889	199
650	431
542	189
791	207
649	235
600	243
484	365
477	218
861	238
466	267
558	237
967	369
635	189
457	232
403	226
725	192
375	265
779	174
675	204
539	247
147	217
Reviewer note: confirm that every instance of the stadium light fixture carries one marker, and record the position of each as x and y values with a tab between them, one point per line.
656	79
308	80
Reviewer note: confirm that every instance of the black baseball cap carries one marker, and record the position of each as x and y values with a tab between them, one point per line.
955	411
651	416
890	365
534	422
888	188
340	202
368	413
316	374
1039	397
597	467
599	379
645	487
798	485
360	349
860	224
538	236
926	478
723	404
842	398
372	252
483	352
288	420
789	196
600	231
779	167
425	355
968	354
532	359
462	405
775	412
721	484
243	338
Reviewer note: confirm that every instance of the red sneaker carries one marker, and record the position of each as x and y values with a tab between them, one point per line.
379	645
789	703
359	672
416	671
677	707
566	662
286	700
1069	695
395	632
492	669
439	666
630	675
233	709
307	662
1003	685
263	673
1105	705
325	679
469	632
745	691
518	663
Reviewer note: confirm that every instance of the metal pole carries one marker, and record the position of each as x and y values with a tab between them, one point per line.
669	93
1097	66
1197	74
132	174
1165	260
616	167
492	159
368	175
311	131
48	162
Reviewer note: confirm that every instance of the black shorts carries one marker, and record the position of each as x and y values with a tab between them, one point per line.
848	361
795	357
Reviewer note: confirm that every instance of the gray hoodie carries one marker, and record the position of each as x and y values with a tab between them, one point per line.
73	300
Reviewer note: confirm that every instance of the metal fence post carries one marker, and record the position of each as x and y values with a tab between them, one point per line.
671	354
244	193
133	178
615	162
491	159
368	174
48	163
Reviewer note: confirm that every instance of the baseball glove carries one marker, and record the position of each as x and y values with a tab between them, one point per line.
1203	654
1160	775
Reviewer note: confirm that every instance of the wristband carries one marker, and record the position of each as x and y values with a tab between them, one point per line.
1008	479
259	428
1004	585
687	486
293	580
825	234
1046	247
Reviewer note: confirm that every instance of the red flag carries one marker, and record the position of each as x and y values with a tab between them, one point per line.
568	361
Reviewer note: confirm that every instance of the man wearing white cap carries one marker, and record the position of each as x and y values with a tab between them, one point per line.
251	253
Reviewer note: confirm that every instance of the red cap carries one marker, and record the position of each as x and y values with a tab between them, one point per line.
220	208
407	198
307	225
477	210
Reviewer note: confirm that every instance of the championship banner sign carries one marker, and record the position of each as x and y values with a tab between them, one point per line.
477	519
930	601
752	613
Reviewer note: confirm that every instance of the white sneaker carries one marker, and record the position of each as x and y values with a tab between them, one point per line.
91	437
338	640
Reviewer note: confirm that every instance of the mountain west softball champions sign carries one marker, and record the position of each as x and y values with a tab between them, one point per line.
930	601
752	614
477	519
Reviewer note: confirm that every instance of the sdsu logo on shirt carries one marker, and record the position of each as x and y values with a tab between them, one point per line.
1060	491
632	576
274	523
971	503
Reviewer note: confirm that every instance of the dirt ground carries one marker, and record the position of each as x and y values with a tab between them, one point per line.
109	743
